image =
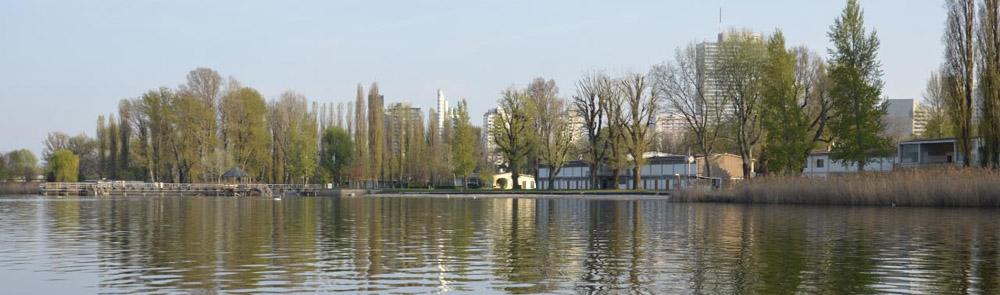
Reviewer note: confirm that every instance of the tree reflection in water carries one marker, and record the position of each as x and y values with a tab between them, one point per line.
513	245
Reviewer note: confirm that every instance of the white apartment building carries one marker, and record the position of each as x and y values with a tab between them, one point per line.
442	110
708	58
492	155
904	119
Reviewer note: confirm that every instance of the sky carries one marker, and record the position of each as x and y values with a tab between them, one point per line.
63	63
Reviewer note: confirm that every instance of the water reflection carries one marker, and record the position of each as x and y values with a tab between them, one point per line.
419	245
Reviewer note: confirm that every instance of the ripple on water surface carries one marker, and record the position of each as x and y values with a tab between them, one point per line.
487	245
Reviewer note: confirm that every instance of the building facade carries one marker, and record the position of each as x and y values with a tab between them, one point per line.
821	164
660	172
709	56
489	145
400	118
905	119
936	152
442	110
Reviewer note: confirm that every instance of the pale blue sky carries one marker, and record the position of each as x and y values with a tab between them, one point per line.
64	62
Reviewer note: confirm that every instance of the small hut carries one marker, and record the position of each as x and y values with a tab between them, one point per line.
236	175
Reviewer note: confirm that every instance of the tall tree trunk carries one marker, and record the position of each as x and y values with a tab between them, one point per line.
636	177
615	174
593	177
514	175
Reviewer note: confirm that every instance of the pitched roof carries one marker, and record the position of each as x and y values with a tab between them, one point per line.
235	172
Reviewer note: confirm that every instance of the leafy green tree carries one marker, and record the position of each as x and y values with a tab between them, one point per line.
247	138
463	144
3	167
63	166
857	90
192	139
22	164
293	128
157	108
786	123
204	86
338	153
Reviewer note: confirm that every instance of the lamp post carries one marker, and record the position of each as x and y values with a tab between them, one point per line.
687	168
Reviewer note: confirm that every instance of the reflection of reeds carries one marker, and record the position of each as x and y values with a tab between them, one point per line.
936	187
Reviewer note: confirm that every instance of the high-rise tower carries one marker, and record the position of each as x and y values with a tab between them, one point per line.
442	110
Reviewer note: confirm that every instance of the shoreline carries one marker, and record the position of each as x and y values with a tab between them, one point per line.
930	188
568	195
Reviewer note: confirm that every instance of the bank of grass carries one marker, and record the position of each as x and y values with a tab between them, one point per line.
945	187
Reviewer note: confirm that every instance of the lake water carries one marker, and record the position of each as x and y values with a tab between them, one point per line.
487	245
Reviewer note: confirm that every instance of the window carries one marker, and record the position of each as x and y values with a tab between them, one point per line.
819	163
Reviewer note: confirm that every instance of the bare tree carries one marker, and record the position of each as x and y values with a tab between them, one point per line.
813	88
682	85
588	106
511	131
551	132
740	68
642	104
959	66
554	144
613	140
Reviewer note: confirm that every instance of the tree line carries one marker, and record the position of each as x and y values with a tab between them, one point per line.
770	103
760	99
208	125
963	95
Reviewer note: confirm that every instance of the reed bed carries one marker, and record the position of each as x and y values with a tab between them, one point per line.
943	187
19	188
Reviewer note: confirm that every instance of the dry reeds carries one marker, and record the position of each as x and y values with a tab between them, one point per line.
18	188
947	187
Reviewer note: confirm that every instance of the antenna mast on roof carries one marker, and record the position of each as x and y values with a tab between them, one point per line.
720	16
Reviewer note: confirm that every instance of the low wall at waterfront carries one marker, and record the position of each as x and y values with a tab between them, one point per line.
19	188
341	192
151	189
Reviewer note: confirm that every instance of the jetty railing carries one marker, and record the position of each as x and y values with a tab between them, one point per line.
125	188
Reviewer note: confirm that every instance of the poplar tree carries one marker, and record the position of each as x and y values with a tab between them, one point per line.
361	136
463	144
958	70
857	90
989	80
376	133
